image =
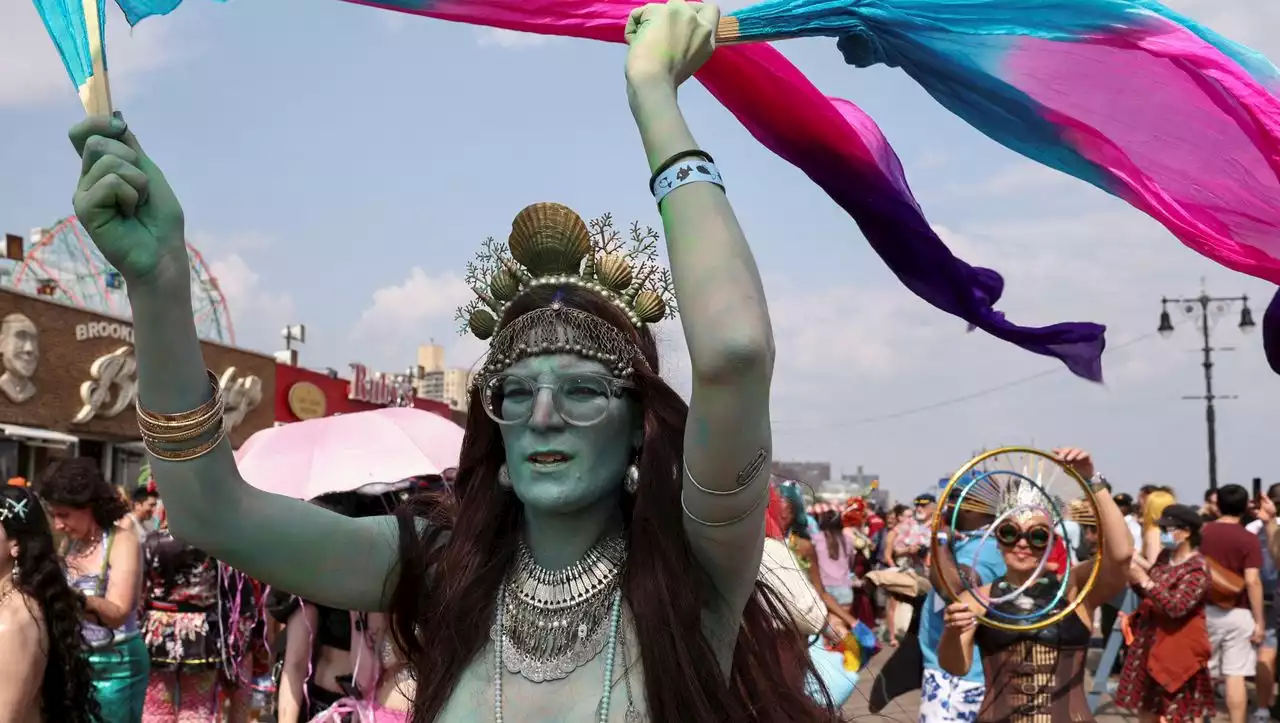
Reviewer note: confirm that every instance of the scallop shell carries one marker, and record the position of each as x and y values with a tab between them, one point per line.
549	239
650	307
504	285
614	272
482	324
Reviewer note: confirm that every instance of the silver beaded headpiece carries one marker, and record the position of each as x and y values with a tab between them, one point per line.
550	245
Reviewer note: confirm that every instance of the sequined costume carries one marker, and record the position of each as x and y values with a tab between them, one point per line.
1037	676
117	657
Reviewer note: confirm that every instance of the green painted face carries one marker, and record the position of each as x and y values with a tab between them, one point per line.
557	467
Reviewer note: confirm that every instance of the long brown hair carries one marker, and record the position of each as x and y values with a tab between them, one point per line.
451	568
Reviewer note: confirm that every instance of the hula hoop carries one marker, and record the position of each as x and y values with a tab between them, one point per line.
949	593
1032	580
1048	551
1044	558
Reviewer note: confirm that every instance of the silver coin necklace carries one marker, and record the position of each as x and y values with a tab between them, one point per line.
549	623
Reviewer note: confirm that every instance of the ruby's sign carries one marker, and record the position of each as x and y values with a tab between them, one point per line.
379	388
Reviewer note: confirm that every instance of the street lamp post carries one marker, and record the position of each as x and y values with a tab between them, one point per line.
1206	310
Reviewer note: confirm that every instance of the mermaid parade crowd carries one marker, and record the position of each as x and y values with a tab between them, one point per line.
606	552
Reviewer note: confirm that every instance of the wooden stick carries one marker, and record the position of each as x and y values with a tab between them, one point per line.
727	31
95	94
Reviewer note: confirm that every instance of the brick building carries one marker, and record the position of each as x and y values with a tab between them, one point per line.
68	381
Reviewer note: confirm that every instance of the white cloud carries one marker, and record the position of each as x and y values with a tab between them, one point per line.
851	359
31	72
511	39
417	310
257	313
1021	175
392	21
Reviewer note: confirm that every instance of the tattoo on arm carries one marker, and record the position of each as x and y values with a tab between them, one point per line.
753	468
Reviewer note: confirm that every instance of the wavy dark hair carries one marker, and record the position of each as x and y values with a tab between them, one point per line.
443	604
78	483
67	689
832	526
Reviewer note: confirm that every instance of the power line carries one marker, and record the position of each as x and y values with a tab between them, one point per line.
1058	369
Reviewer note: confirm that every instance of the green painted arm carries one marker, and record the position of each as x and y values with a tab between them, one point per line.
726	325
134	218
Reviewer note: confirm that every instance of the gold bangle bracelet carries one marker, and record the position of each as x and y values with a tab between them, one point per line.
179	438
145	420
196	428
181	419
186	455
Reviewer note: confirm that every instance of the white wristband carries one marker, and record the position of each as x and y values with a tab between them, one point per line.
689	170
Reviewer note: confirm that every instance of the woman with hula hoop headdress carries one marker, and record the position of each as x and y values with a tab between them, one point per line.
1032	627
598	559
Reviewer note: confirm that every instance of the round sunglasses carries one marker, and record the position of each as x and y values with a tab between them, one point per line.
1008	535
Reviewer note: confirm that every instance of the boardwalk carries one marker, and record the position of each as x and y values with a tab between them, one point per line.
905	709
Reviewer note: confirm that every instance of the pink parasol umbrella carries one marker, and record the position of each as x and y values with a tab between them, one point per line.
381	448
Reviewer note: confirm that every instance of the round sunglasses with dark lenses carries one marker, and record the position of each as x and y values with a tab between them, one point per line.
580	399
1037	537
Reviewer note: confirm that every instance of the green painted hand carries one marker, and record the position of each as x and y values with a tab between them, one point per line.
670	41
126	205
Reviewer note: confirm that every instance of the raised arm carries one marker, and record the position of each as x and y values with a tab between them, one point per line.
134	218
1117	542
726	324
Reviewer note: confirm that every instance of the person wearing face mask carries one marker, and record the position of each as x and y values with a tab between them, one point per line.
1156	502
1166	673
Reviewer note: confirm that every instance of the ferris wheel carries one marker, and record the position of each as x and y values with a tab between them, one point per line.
63	264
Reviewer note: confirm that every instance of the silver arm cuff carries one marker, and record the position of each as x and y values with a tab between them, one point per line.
718	493
726	523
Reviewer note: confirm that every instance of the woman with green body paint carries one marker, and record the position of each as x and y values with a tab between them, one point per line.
583	474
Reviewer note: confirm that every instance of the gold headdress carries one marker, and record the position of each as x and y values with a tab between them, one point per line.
552	245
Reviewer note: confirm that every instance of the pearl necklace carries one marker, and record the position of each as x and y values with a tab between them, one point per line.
602	709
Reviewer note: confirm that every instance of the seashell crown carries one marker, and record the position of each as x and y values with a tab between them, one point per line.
552	245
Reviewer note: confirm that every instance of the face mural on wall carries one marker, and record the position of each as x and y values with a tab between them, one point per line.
19	357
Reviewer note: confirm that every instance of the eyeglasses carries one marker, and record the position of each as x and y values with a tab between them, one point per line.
1008	535
581	399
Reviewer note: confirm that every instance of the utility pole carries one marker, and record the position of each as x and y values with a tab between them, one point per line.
1206	310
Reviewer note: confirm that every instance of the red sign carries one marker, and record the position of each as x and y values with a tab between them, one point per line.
337	394
380	389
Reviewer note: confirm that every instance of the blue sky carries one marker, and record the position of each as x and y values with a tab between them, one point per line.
339	165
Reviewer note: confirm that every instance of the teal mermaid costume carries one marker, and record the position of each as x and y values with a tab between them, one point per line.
118	658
